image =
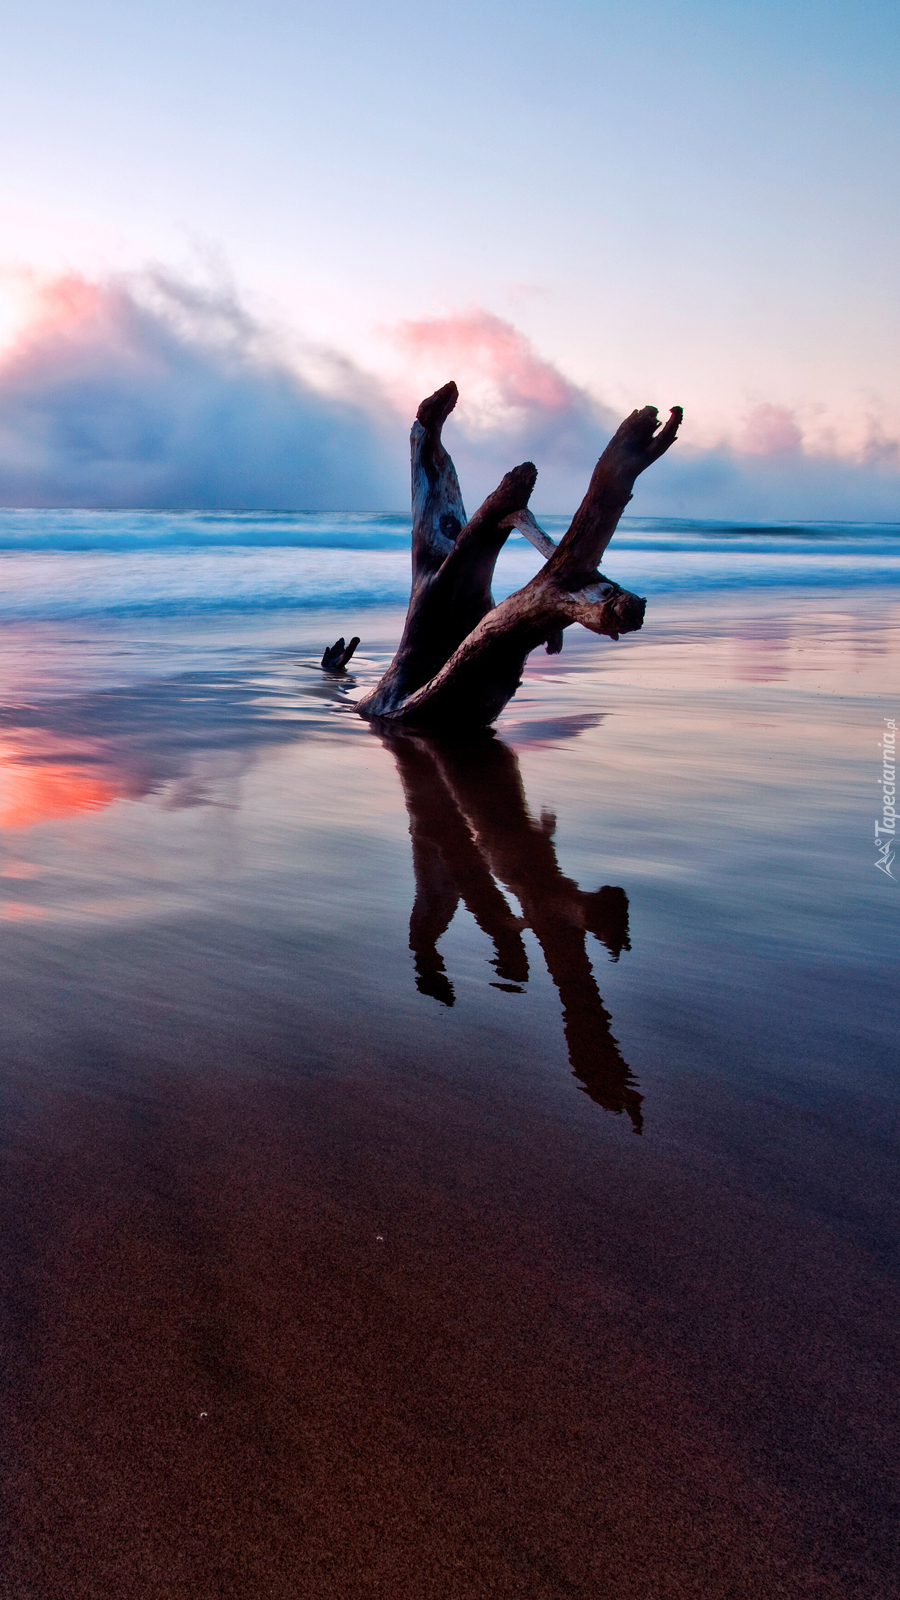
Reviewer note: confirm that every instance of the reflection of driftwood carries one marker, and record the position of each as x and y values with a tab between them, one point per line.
470	826
461	657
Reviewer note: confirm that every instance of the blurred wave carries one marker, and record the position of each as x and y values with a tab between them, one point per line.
73	529
56	563
201	530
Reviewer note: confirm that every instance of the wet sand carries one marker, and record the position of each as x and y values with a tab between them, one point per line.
450	1168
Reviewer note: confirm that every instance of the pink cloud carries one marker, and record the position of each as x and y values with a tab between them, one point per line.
59	304
514	405
771	431
485	350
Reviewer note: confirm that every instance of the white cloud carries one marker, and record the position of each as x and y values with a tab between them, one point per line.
145	391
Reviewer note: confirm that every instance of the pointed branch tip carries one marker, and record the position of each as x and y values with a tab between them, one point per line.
434	411
667	434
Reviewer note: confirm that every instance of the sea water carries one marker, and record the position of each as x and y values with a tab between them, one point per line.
56	564
445	1166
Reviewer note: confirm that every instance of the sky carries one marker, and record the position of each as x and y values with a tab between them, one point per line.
239	242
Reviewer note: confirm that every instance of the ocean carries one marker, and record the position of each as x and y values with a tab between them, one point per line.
57	564
446	1166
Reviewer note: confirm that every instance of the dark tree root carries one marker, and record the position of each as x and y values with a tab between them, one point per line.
337	655
461	656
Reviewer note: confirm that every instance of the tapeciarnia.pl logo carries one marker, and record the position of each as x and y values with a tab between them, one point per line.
888	823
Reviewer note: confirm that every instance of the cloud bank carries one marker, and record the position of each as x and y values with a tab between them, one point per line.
512	398
145	391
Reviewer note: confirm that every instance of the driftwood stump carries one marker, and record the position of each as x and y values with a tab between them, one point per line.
461	656
337	655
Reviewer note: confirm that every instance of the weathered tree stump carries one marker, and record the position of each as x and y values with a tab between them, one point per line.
461	656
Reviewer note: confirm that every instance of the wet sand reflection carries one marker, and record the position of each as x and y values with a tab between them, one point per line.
178	738
471	831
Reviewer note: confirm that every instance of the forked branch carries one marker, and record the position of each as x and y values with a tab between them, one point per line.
461	656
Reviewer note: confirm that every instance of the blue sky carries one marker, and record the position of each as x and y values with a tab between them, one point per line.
684	202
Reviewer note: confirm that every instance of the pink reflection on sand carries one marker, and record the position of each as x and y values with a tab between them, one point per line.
752	640
762	650
20	869
36	788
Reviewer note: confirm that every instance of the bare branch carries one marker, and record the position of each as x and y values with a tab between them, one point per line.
525	523
437	506
473	558
634	447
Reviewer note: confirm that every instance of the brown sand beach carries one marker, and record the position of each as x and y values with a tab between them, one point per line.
450	1167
